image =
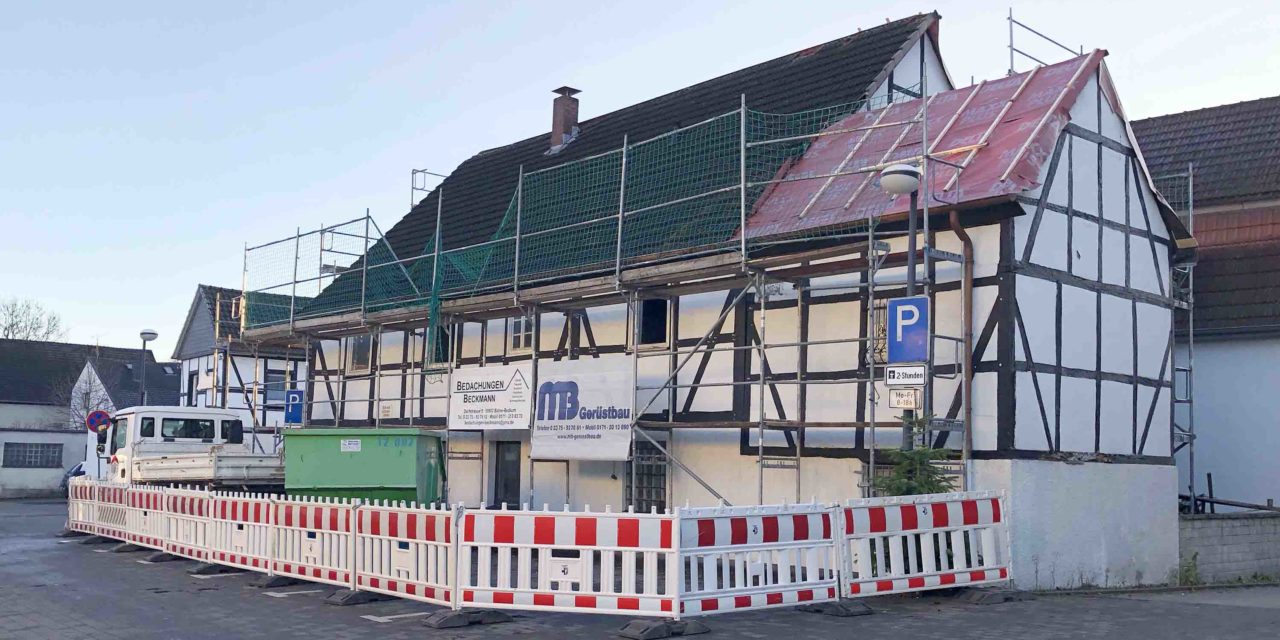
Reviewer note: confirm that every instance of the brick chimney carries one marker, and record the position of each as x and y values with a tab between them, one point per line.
564	117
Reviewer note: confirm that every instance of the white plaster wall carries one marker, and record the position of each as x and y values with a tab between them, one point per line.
1087	525
907	74
31	416
1237	419
29	483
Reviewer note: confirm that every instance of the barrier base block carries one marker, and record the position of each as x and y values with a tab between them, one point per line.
650	629
99	540
67	533
275	582
449	619
994	596
126	547
161	556
838	608
209	569
347	597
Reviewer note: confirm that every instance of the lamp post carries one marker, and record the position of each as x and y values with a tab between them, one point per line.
900	179
147	335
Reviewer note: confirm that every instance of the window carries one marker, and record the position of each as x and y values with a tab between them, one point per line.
651	322
276	385
360	353
520	332
187	428
233	431
148	427
442	347
33	455
120	429
880	319
648	477
193	380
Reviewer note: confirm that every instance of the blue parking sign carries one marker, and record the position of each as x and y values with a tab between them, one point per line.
907	330
293	401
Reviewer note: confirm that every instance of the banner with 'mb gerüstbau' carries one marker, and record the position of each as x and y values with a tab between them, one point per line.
583	409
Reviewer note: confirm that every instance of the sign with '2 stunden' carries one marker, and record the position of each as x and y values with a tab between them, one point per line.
583	409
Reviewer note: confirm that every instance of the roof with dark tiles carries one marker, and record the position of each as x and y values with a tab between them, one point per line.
479	190
1237	276
1233	147
43	373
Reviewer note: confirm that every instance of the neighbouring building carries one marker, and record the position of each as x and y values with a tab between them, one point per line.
750	358
219	370
47	389
1229	152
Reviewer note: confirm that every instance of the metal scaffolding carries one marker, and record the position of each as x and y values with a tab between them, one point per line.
359	286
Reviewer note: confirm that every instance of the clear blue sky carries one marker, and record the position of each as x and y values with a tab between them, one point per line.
143	144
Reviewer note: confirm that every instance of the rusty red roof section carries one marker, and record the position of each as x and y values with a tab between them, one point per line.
1002	131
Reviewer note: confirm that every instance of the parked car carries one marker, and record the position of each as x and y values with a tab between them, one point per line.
73	472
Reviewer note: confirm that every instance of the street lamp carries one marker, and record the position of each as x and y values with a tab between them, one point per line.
147	335
900	179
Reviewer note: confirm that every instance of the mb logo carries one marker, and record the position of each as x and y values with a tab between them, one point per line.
558	401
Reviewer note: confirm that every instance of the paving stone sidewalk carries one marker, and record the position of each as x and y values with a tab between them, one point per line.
50	588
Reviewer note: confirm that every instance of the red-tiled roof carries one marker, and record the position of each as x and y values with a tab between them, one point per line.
1003	131
1237	276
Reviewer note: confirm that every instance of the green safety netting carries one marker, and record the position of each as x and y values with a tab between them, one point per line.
682	195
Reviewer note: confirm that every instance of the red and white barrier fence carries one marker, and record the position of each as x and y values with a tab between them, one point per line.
618	563
405	551
914	543
736	558
694	562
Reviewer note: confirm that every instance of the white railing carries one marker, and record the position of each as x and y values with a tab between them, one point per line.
692	562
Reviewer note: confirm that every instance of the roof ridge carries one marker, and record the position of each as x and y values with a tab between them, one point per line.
1201	109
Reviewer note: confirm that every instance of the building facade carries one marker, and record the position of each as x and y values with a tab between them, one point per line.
759	364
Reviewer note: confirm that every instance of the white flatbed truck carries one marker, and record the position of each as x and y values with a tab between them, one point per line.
167	445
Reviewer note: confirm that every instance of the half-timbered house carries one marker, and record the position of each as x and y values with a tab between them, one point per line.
732	245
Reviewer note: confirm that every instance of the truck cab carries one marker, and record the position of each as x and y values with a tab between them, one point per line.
160	432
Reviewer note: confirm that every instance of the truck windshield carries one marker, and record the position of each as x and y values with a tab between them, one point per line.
191	428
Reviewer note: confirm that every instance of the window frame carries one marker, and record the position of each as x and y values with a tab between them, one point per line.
32	455
521	326
349	362
637	327
285	385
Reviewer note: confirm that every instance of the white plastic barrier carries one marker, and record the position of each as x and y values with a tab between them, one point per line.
736	558
240	530
406	551
145	525
111	511
620	563
81	505
694	562
314	539
187	513
913	543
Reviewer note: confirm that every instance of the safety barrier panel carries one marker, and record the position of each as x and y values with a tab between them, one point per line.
145	525
736	558
619	563
406	551
111	512
694	562
240	530
81	506
187	514
913	543
314	538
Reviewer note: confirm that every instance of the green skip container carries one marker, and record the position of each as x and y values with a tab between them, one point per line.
383	464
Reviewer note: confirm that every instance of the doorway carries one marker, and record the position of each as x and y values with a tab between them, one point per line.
506	474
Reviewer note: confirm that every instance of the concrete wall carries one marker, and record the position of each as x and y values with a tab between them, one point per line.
1089	524
17	416
1237	434
35	483
1229	546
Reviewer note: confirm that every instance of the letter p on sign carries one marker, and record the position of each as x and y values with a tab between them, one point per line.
908	330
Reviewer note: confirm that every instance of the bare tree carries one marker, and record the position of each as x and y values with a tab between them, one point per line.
79	395
25	319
